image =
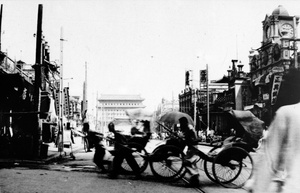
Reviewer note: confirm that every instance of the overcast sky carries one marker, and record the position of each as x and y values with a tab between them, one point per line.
139	46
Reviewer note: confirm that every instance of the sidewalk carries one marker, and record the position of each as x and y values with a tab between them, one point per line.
52	154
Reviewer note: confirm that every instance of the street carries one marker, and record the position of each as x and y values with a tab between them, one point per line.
80	175
220	77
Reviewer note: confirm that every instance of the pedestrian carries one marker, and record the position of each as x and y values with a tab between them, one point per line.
86	131
190	140
187	137
278	167
95	140
91	136
100	151
122	151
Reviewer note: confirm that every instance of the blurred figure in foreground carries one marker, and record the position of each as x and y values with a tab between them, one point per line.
122	151
95	140
90	135
190	139
278	167
143	135
187	137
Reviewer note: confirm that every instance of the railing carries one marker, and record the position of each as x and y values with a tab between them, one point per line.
10	67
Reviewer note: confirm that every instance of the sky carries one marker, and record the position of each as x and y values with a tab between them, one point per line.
138	46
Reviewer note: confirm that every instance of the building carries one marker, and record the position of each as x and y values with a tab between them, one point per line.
113	106
268	64
258	90
194	101
19	114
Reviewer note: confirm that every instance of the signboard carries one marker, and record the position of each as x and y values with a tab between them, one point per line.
286	54
277	69
66	101
56	100
266	97
275	88
203	76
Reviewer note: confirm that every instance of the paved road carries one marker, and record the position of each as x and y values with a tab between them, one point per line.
83	162
80	175
24	180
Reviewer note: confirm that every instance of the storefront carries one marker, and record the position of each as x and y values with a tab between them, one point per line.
15	120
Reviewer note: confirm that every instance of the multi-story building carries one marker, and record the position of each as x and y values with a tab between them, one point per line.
113	106
194	101
277	54
261	89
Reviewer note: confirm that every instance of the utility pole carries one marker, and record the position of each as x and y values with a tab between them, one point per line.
1	24
37	84
295	42
207	94
200	118
61	98
84	98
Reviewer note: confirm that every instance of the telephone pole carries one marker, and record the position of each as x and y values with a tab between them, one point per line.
1	24
37	84
207	94
61	98
84	98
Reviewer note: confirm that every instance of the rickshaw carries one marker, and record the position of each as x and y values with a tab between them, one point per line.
228	163
166	162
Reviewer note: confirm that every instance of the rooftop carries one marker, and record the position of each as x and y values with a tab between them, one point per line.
280	10
120	97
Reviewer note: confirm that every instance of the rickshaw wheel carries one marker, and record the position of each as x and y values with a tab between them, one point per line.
140	155
232	167
167	163
208	164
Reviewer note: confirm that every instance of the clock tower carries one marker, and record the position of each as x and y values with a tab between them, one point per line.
279	31
275	56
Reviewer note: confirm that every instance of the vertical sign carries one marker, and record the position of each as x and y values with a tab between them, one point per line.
275	89
56	100
203	76
66	102
187	78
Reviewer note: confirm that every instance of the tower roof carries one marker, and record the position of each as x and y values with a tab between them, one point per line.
280	10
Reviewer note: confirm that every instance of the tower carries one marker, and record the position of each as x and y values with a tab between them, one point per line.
279	31
273	59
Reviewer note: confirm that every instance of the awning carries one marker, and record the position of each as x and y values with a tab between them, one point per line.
262	79
260	105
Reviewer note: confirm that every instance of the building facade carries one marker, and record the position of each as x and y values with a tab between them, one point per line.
113	106
270	62
258	90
